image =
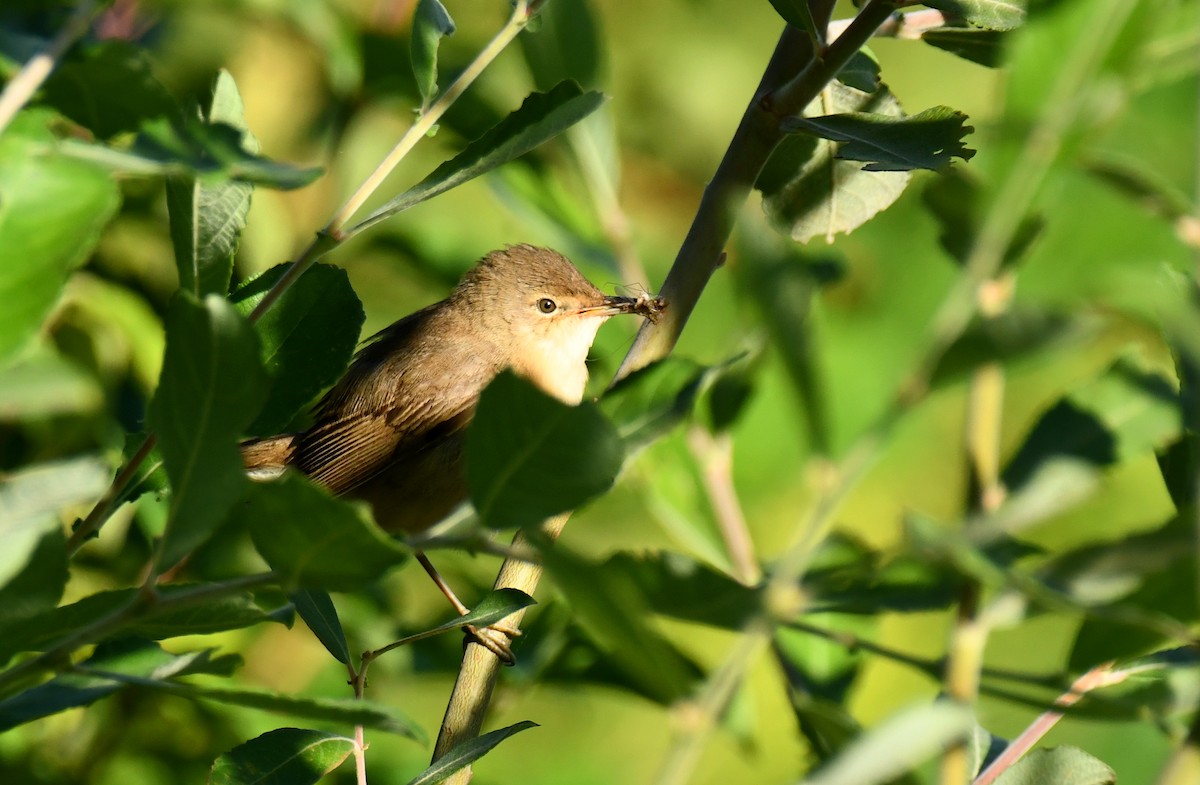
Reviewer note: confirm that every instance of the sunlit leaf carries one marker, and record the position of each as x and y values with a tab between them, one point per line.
41	192
1060	765
798	180
467	753
207	219
285	756
897	745
431	22
541	117
987	14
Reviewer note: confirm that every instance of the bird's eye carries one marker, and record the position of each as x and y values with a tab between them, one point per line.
546	305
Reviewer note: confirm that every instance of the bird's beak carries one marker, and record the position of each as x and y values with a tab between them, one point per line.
610	306
613	305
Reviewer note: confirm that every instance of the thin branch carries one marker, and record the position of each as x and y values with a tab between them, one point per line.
1100	676
21	87
480	667
715	455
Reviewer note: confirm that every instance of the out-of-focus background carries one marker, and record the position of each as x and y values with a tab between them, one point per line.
328	83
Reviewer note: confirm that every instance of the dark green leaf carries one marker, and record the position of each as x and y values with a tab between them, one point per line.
212	386
988	14
897	746
348	711
530	456
1170	593
928	140
798	180
126	658
541	117
39	584
207	218
494	606
120	73
797	14
984	47
565	46
40	632
314	540
42	195
307	338
319	613
430	23
675	585
612	611
285	756
1060	765
956	200
1121	415
190	148
467	753
1019	337
651	401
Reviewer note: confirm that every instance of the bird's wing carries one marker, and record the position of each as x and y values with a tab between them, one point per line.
382	413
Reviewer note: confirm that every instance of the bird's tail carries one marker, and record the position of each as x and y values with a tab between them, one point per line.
267	458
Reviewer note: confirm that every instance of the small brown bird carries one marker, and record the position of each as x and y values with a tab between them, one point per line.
392	431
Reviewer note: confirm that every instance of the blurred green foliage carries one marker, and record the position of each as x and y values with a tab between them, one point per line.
982	395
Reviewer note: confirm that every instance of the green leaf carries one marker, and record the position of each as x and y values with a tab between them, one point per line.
956	200
44	384
319	613
466	753
610	608
52	209
307	339
928	140
566	45
431	21
651	401
798	180
987	14
126	658
31	502
494	606
285	756
541	117
797	14
207	218
677	585
530	456
212	151
985	47
314	540
120	73
41	631
39	584
212	386
897	745
1060	765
